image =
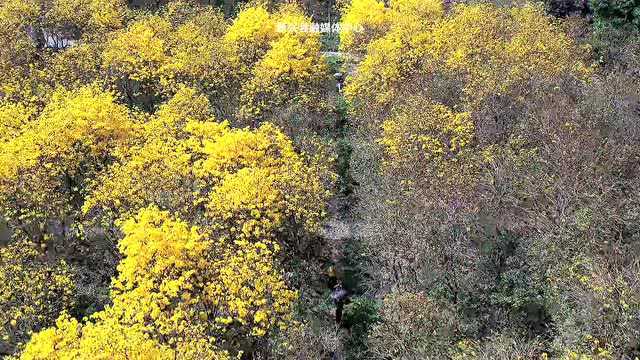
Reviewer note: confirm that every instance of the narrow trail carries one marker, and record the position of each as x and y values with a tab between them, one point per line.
338	230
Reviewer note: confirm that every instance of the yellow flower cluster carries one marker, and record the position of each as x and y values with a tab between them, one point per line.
291	65
107	339
364	21
33	291
430	143
251	33
196	56
74	126
85	14
518	44
262	184
156	54
139	51
425	132
178	282
27	26
12	118
280	62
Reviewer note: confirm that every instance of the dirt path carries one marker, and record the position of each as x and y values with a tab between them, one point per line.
338	230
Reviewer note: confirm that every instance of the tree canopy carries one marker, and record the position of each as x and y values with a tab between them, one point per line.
360	179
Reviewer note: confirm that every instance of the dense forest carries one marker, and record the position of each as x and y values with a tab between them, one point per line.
319	179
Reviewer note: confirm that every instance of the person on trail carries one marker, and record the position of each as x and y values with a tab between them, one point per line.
339	81
332	277
340	297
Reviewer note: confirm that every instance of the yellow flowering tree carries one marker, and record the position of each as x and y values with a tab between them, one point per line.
17	49
292	66
45	166
473	60
157	168
263	188
106	340
518	44
249	183
71	17
199	58
134	57
31	31
154	54
250	35
178	284
280	64
362	22
33	291
184	282
75	66
12	118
